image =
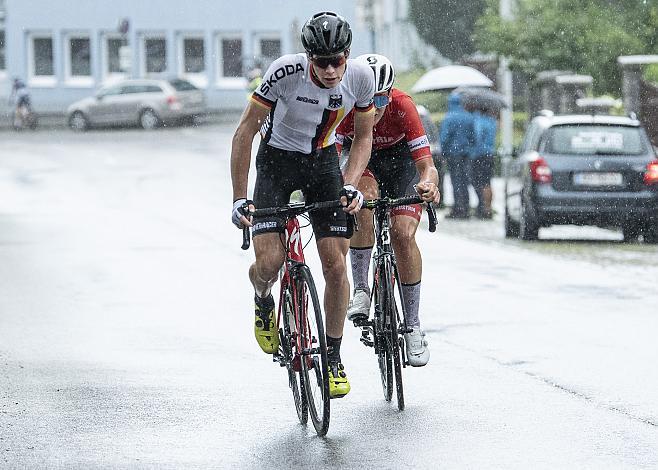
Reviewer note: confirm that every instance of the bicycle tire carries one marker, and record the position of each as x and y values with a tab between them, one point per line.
382	349
315	366
290	349
392	314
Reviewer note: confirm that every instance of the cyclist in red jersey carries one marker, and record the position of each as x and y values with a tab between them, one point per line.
400	165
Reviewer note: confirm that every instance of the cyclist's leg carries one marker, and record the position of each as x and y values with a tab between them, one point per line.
361	245
397	179
333	251
332	232
409	262
272	189
399	182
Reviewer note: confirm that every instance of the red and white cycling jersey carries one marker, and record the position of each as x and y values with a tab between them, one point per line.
400	121
303	113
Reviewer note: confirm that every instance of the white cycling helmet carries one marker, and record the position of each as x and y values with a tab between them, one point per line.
383	70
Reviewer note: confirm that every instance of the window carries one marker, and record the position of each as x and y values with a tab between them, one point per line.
267	48
2	50
114	50
594	140
109	91
129	89
182	85
79	59
156	55
270	48
193	55
42	57
230	57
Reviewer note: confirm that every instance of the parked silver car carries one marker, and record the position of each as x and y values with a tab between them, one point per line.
148	103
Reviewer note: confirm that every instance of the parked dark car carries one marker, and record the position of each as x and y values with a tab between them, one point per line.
147	103
584	170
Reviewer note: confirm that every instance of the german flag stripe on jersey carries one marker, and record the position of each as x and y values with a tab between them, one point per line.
364	109
330	120
262	101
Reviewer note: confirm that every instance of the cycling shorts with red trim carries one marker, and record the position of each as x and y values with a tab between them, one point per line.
396	174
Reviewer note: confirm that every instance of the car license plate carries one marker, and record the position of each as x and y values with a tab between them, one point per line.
598	179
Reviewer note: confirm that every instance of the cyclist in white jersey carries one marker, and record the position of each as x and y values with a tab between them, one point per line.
299	104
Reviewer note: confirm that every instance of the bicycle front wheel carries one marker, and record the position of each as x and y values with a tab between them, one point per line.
289	335
382	349
315	367
393	313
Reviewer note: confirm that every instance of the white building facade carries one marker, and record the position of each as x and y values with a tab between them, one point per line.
66	50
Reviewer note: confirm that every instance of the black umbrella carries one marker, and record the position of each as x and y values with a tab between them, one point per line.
482	99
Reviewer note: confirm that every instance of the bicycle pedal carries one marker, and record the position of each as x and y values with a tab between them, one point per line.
367	341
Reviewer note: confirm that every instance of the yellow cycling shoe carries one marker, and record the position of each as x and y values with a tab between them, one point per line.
265	329
338	384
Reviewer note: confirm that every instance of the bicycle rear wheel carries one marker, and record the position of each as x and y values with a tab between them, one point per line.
392	315
291	354
382	349
315	367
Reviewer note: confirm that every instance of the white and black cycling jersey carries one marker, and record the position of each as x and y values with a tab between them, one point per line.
303	113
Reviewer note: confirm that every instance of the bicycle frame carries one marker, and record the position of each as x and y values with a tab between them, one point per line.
294	257
383	252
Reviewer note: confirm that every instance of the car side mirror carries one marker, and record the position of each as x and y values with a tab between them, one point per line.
99	96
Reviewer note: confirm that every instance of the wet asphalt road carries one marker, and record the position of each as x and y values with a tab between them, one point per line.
125	334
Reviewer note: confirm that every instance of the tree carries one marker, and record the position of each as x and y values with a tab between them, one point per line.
447	24
584	36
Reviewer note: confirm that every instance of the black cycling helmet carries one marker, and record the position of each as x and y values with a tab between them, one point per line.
326	34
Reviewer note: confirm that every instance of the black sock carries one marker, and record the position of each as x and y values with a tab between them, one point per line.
333	348
265	304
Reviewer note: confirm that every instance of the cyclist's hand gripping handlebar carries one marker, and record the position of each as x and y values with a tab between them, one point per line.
244	211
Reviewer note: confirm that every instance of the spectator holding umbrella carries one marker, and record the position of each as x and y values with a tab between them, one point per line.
457	139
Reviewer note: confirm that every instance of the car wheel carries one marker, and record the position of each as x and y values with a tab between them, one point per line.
149	120
631	232
651	233
78	122
511	227
528	227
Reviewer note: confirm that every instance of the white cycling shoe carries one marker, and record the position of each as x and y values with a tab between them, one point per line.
359	307
417	353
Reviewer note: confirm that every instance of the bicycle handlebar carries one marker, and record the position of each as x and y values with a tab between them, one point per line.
404	201
289	210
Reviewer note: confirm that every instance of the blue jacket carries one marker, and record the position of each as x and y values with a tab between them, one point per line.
485	135
457	129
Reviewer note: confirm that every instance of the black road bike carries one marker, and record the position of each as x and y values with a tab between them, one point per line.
385	331
303	349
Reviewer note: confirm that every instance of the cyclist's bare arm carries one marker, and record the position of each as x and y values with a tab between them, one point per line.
427	186
250	123
360	151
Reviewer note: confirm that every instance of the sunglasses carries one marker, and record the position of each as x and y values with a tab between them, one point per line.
381	101
324	62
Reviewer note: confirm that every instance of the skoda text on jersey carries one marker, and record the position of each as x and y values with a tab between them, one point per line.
303	113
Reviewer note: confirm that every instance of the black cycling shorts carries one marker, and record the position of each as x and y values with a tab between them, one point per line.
281	172
394	170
